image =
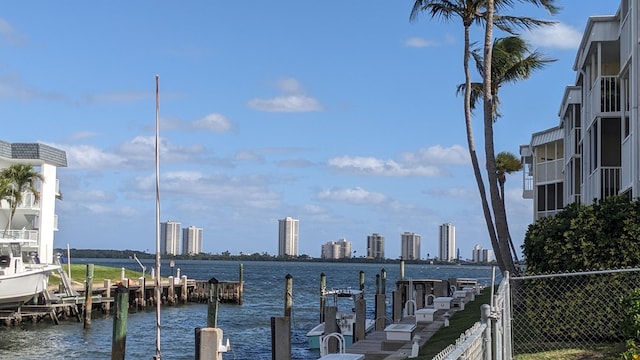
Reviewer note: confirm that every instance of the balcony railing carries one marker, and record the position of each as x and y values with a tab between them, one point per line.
548	171
603	183
20	235
603	97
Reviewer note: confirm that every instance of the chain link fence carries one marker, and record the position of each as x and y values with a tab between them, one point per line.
579	310
540	313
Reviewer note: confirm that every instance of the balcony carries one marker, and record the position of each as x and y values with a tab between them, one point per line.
603	183
603	98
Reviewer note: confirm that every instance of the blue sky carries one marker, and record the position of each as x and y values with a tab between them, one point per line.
341	115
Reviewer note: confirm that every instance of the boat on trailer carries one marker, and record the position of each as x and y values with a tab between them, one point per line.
345	317
22	277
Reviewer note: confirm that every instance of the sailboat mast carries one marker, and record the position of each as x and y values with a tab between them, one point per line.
158	277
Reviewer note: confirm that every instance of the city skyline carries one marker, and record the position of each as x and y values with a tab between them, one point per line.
283	114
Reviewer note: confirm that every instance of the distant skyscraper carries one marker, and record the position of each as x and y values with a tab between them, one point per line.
375	246
170	238
288	237
191	240
340	249
480	255
447	242
410	246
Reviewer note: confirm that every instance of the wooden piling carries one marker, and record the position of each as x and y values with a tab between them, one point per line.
171	291
281	338
377	284
323	300
212	309
119	340
88	292
401	269
381	311
359	331
361	284
241	281
183	296
331	326
142	298
207	341
397	306
288	295
383	284
106	305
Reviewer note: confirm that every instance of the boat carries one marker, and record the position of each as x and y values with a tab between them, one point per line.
345	316
22	277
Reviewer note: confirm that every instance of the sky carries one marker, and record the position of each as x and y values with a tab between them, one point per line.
340	115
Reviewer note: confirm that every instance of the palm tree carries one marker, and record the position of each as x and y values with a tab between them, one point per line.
470	12
19	178
512	61
507	163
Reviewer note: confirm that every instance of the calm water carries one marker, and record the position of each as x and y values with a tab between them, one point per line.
247	326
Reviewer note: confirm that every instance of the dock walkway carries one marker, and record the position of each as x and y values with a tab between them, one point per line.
376	346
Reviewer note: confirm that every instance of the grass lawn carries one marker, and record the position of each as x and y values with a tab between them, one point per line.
100	273
463	320
459	323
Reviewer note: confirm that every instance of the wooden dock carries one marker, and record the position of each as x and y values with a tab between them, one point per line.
69	303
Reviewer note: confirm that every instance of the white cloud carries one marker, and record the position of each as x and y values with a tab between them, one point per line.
86	157
437	154
355	195
213	122
293	100
10	35
559	36
418	42
291	103
290	86
421	163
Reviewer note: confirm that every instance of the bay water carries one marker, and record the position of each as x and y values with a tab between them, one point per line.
248	326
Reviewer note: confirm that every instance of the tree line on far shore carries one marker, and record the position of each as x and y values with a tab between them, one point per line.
226	255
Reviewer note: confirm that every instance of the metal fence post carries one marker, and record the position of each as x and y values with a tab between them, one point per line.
485	311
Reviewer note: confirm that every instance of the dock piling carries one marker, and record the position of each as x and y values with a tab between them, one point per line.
88	296
119	341
288	295
323	287
212	309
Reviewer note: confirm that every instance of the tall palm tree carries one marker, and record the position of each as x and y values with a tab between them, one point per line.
507	163
470	12
19	178
512	61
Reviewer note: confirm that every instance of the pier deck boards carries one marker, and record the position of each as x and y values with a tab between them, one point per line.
376	346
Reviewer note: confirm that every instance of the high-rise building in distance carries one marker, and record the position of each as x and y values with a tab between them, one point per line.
447	242
340	249
410	246
288	236
375	246
191	240
170	238
480	255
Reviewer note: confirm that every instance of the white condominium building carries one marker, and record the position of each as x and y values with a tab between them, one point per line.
340	249
191	240
410	246
288	236
593	152
170	238
34	221
375	246
447	243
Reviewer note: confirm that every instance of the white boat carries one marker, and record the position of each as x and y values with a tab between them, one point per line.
346	317
21	276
